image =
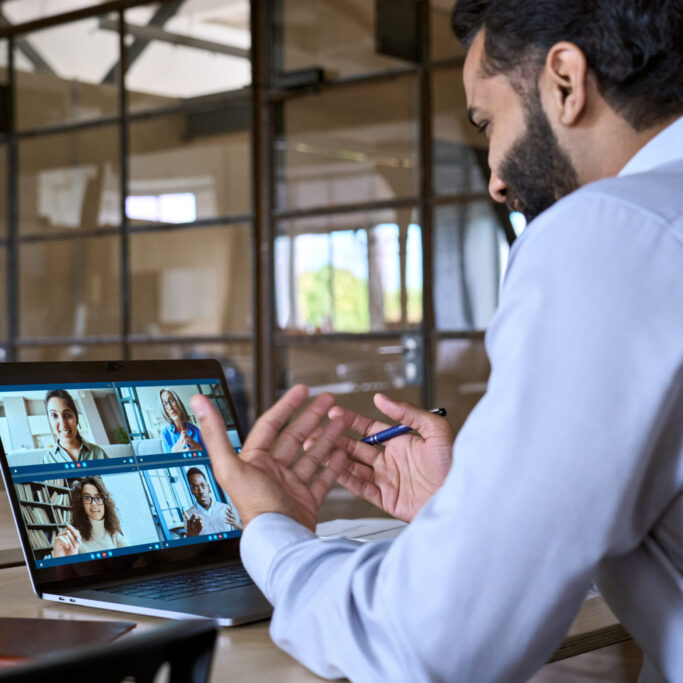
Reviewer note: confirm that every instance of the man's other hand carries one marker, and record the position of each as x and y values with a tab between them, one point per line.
272	473
402	474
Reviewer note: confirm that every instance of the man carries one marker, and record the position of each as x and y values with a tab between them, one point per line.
571	467
207	516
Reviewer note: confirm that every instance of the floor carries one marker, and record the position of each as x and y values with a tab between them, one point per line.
615	664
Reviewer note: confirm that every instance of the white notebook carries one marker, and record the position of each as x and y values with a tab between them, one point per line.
364	529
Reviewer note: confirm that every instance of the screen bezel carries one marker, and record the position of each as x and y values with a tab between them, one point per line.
62	578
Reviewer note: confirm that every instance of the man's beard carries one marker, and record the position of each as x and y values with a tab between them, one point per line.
536	171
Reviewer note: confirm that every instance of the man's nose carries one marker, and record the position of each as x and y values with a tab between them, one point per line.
497	189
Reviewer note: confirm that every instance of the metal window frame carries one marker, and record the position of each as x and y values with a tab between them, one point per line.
267	99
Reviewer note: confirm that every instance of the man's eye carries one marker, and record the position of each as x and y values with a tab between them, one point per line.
481	127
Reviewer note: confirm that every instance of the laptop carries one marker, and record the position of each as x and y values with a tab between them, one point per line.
112	490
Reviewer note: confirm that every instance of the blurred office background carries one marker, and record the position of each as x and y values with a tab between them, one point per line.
290	186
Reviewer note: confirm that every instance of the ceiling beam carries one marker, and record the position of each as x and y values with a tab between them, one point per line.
159	18
149	33
33	56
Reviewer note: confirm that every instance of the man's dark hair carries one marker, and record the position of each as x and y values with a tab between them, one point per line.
192	471
634	47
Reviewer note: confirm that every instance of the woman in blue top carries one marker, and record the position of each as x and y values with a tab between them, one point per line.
180	434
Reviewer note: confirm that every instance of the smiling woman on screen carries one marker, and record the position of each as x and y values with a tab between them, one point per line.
63	417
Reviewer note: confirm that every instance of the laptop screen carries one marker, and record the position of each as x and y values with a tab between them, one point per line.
105	470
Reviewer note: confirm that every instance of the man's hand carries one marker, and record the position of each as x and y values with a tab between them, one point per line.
403	474
272	473
193	525
67	542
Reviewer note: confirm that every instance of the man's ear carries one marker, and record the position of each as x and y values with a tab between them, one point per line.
565	74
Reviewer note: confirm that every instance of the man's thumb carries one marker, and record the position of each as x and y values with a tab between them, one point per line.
221	452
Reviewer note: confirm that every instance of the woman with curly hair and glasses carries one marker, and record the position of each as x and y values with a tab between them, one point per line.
94	524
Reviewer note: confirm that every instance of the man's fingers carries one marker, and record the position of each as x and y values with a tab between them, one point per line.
223	457
328	476
291	440
360	487
362	452
309	462
315	434
266	429
358	423
422	421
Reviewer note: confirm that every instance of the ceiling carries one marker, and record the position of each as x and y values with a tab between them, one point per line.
179	49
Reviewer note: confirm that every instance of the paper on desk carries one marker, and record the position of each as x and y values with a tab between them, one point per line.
364	529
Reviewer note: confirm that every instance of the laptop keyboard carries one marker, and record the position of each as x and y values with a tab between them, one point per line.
185	585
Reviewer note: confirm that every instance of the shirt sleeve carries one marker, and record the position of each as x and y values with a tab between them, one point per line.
553	472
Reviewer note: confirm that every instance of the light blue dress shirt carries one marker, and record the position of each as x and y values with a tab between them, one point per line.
570	468
170	436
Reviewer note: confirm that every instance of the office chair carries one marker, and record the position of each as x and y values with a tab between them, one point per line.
186	646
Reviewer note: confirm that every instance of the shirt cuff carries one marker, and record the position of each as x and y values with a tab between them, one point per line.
262	540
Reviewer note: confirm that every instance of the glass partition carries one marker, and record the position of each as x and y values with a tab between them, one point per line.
348	145
236	359
461	371
61	352
469	257
70	288
180	176
338	37
458	153
3	184
444	44
60	74
354	371
3	294
69	181
191	282
175	54
349	272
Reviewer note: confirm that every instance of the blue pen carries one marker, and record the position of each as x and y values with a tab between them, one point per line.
390	433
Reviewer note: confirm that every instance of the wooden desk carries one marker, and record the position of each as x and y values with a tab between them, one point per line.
242	654
10	554
246	652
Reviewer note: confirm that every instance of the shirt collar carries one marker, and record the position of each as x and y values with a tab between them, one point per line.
83	450
203	510
664	147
